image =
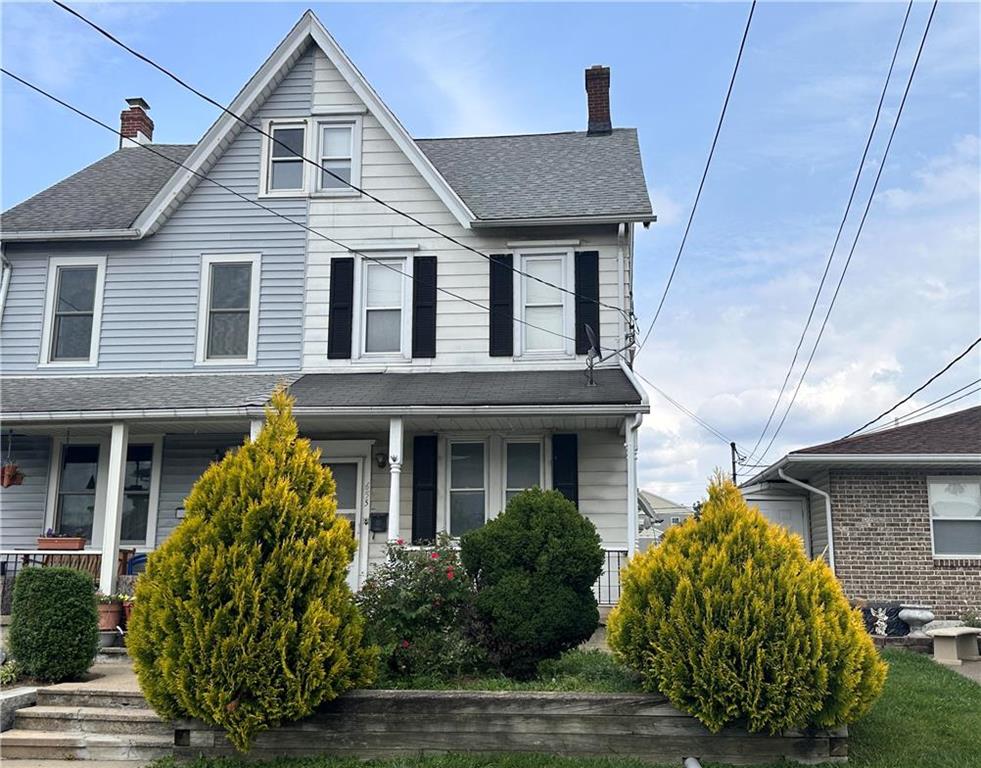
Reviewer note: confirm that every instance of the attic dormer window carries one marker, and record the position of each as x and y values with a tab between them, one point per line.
285	172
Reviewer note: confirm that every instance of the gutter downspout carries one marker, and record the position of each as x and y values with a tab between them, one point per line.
8	273
630	427
827	511
621	277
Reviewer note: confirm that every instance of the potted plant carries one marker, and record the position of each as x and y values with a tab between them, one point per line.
10	475
128	602
52	540
110	612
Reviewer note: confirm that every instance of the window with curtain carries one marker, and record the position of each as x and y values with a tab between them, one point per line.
955	515
383	298
543	307
336	155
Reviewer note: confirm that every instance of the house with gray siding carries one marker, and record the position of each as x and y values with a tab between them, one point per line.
896	512
453	316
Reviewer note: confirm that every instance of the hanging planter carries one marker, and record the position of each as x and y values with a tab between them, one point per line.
10	475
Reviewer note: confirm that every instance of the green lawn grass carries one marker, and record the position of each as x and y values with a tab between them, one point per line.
928	717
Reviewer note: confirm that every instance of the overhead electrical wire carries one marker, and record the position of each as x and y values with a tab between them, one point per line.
858	233
924	409
841	228
701	183
360	190
704	424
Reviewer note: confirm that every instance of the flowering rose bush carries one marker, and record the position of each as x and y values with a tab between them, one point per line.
418	608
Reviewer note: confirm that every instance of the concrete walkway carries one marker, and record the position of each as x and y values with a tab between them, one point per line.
969	669
117	676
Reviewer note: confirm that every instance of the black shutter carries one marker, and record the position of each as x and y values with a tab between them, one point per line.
423	488
501	306
424	307
587	298
341	310
565	466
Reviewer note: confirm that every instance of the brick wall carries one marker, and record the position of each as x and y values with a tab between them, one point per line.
883	548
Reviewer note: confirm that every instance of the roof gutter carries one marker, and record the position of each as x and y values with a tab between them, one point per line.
72	234
860	459
549	221
827	511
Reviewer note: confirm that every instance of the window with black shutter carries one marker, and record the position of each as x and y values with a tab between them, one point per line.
424	307
565	466
423	488
501	306
341	312
587	298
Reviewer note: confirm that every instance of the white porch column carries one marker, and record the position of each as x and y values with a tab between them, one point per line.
115	479
395	471
630	427
255	427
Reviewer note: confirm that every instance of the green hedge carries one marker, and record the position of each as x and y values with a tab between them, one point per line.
54	627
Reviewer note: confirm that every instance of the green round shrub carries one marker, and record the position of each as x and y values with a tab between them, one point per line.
243	618
54	624
731	620
534	567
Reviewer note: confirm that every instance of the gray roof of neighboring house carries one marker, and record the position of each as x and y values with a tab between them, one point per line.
109	194
552	175
549	175
70	394
955	433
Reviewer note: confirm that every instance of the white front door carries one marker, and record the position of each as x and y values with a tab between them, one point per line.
350	483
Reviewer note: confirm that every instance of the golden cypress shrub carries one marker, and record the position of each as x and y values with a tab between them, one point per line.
730	620
243	618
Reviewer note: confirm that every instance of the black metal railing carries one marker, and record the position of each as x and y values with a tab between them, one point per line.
607	587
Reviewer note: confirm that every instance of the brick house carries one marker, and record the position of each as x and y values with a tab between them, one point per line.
903	507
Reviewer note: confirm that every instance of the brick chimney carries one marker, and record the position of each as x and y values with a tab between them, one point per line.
598	100
135	124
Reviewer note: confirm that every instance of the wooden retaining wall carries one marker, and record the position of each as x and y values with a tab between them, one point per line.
366	724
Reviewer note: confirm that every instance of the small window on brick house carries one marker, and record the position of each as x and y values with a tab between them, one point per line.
955	516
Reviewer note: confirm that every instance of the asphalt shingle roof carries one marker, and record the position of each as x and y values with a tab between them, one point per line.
109	194
42	394
69	394
955	433
544	175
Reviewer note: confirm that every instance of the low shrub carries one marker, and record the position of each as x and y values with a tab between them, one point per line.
10	673
54	625
730	620
418	608
243	618
534	567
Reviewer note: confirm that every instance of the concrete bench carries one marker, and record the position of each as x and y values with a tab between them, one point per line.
953	645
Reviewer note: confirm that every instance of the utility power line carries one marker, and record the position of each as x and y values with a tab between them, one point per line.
374	198
690	414
920	388
858	234
923	410
701	184
841	228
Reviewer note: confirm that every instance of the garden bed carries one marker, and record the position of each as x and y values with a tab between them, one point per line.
401	723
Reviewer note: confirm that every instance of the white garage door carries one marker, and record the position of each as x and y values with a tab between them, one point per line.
789	513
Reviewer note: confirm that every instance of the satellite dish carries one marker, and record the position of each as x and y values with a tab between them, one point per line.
594	348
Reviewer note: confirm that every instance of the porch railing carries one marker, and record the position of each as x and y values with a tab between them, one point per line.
607	587
13	561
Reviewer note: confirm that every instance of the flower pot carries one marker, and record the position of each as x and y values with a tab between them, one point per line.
60	542
110	616
108	639
10	475
127	612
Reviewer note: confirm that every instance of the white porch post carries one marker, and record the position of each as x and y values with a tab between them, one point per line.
395	471
112	522
630	426
255	427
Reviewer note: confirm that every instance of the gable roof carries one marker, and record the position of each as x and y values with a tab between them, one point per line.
546	176
487	181
955	433
107	195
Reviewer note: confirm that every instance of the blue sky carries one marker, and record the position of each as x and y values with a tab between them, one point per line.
800	113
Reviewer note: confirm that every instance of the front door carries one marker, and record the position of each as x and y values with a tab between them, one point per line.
349	479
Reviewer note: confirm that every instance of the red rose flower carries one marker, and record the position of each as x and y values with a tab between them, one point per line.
449	574
400	542
434	555
405	643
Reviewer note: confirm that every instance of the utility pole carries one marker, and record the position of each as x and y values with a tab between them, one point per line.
732	449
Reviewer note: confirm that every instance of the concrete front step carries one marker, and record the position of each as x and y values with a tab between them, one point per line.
30	763
125	720
60	745
66	695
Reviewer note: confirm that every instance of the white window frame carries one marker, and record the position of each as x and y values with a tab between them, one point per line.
529	440
265	169
404	263
204	306
564	347
931	480
450	442
101	480
56	263
355	123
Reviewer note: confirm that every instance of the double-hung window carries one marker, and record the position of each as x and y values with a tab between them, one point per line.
228	313
955	515
285	171
545	324
384	292
468	486
338	142
77	485
73	311
136	494
522	467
